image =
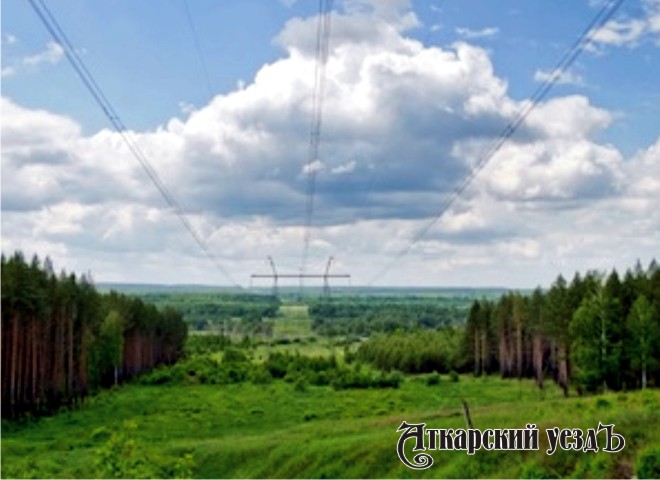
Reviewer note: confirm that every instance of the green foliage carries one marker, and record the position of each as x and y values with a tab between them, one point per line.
61	339
433	379
358	378
364	316
123	456
414	352
234	355
236	313
644	340
347	433
533	470
597	333
648	463
203	369
202	344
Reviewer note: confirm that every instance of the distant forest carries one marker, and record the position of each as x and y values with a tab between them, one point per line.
61	339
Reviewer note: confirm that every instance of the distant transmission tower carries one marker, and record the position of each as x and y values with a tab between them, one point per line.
272	266
326	276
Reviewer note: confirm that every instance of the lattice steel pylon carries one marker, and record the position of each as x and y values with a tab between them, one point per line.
275	276
326	283
326	276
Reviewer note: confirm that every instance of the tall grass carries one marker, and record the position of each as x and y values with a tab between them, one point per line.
276	431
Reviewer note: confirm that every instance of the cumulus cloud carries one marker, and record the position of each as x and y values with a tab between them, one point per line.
631	31
403	125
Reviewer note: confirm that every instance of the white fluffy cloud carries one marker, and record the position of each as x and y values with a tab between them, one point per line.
52	55
403	124
630	32
470	34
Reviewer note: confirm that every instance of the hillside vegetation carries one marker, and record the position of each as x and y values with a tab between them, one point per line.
276	430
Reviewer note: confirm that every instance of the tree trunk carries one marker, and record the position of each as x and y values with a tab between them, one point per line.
477	366
644	373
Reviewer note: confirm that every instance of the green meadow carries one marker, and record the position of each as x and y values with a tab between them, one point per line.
277	431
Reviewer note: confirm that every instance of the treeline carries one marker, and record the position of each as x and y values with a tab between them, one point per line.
201	310
422	351
363	316
299	370
61	339
597	332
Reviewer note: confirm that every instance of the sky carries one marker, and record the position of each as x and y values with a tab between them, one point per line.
218	97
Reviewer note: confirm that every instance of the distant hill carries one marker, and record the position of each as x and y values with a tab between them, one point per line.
142	288
137	288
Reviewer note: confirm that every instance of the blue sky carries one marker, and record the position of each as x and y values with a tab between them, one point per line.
416	92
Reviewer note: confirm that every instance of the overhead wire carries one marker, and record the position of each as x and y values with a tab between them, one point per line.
316	121
198	48
92	86
597	23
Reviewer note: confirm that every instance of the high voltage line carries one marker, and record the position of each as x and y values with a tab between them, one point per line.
601	18
198	48
322	49
92	86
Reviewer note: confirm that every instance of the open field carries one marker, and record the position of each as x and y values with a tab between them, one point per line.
273	430
294	322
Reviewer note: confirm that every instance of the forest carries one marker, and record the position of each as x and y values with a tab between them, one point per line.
366	315
597	332
62	340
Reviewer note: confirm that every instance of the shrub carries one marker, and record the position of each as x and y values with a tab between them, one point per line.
433	379
300	385
233	355
648	463
260	376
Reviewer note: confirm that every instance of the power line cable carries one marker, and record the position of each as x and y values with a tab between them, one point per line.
602	17
322	49
92	86
198	48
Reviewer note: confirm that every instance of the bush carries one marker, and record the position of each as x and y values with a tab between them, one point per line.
123	456
260	376
300	385
532	470
413	352
433	379
233	355
453	376
356	378
648	463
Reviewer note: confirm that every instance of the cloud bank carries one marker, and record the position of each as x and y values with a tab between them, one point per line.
403	124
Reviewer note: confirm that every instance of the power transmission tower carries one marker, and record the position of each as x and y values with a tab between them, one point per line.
326	283
326	276
272	266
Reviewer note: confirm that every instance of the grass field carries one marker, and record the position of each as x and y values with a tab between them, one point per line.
274	430
293	323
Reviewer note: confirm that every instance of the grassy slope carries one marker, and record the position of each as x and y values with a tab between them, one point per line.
274	431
